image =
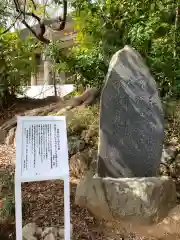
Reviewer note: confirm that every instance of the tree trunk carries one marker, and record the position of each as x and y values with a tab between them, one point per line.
48	78
7	99
87	98
176	34
33	79
54	83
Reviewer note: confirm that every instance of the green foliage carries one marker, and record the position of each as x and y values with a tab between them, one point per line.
16	63
88	64
105	26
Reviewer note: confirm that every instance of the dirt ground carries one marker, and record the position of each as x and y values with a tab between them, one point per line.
44	201
44	204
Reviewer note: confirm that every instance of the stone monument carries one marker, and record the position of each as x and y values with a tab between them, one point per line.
127	194
131	119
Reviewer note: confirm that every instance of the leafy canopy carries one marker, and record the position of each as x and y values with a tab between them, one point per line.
105	26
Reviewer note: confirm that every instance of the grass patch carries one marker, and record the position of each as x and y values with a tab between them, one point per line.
172	120
82	119
7	199
7	203
83	122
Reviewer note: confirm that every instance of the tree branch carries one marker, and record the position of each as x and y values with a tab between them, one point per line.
12	25
42	23
63	20
34	5
39	36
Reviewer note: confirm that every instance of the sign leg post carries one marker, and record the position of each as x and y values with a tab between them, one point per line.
18	203
67	209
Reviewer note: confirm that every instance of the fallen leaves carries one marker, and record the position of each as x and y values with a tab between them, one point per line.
44	202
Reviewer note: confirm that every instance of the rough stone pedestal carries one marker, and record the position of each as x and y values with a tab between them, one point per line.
138	204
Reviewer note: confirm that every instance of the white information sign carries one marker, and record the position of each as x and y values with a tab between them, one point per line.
41	154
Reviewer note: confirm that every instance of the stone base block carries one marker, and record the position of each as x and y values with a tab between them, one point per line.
142	205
